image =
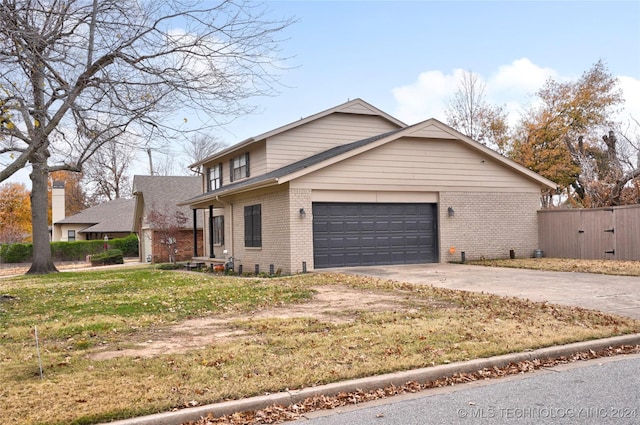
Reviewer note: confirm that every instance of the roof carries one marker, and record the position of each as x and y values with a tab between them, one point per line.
275	175
339	153
164	192
355	106
109	217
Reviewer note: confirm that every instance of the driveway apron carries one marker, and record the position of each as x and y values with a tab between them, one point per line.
618	295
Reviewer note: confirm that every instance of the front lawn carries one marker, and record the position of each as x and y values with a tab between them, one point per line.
122	343
610	267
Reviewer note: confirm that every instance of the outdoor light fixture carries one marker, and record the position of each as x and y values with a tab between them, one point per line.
302	213
450	211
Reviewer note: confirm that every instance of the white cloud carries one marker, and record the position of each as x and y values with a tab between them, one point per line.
426	97
631	92
512	85
519	79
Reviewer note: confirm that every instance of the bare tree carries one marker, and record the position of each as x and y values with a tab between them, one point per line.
164	164
468	112
201	146
75	74
106	171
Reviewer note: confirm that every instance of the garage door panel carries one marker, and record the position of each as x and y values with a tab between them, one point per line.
352	226
351	234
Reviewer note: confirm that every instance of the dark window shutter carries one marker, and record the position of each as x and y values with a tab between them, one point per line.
257	225
231	170
248	233
246	156
253	225
220	172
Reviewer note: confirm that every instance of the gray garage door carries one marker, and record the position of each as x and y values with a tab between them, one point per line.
364	234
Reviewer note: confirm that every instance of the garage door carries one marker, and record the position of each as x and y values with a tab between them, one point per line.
364	234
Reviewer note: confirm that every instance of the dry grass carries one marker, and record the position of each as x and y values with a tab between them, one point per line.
380	327
610	267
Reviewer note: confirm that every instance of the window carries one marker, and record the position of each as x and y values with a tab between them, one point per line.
71	235
215	177
218	230
239	167
253	226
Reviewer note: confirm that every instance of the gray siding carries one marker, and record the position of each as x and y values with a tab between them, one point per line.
423	165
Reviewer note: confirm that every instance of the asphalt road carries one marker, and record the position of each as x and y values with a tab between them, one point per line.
601	391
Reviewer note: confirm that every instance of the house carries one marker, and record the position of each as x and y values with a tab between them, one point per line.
171	234
113	219
353	186
122	217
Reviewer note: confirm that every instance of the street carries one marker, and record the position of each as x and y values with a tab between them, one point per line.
600	391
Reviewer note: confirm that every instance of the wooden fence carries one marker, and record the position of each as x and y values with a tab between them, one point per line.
600	233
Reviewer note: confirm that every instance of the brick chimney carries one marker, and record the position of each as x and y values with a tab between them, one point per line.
57	208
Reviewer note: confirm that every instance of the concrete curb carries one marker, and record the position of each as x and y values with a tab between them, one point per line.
381	381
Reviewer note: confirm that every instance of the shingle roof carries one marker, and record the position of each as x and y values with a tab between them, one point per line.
164	192
112	216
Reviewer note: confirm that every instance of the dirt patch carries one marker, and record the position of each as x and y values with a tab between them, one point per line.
334	304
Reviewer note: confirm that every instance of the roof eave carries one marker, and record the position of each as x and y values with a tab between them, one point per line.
205	199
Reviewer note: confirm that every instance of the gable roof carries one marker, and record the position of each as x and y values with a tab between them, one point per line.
114	216
163	192
429	128
355	106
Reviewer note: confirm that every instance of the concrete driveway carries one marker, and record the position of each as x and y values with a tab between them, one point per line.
611	294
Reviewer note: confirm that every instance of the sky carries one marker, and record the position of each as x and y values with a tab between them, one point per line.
405	57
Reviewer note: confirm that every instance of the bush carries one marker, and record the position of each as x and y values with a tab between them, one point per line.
75	251
128	245
16	252
69	251
111	256
169	266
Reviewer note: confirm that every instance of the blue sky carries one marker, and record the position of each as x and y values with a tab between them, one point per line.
404	57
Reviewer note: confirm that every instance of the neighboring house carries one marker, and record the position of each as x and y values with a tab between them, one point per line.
353	186
159	194
113	219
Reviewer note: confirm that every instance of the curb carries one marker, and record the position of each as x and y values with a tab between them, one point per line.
380	381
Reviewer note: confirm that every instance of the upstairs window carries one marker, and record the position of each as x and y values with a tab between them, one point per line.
239	167
215	177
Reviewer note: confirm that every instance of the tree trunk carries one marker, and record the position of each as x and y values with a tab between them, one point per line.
42	262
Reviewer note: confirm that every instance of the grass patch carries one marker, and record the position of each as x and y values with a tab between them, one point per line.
610	267
282	336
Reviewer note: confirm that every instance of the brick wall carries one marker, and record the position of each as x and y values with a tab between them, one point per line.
276	245
184	247
488	225
301	230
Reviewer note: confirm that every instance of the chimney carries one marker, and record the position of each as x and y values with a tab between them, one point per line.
57	208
